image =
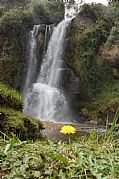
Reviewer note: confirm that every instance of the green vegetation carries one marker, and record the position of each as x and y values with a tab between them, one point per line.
88	47
20	124
115	120
10	97
83	58
85	158
13	120
104	105
92	54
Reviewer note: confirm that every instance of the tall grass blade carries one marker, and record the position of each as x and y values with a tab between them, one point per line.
115	120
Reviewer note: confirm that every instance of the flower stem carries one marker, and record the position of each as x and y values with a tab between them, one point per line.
69	141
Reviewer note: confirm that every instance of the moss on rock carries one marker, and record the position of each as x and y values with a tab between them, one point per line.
12	120
21	125
11	98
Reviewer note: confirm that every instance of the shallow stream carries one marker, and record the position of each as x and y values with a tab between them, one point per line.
52	130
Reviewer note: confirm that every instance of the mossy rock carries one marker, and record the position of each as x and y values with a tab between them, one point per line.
21	125
10	98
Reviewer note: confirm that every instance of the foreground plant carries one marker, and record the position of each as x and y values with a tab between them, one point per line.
44	159
68	130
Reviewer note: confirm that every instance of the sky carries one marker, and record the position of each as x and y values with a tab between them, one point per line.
97	1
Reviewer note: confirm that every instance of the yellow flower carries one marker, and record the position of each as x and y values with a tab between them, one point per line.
68	130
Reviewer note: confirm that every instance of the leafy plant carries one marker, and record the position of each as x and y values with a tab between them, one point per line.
92	157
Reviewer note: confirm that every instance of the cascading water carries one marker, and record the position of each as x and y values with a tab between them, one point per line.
32	48
48	33
32	65
52	63
45	99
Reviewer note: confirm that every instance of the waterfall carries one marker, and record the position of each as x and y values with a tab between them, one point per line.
32	64
52	63
44	99
48	33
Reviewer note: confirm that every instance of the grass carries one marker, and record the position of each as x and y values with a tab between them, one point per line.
87	158
116	118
